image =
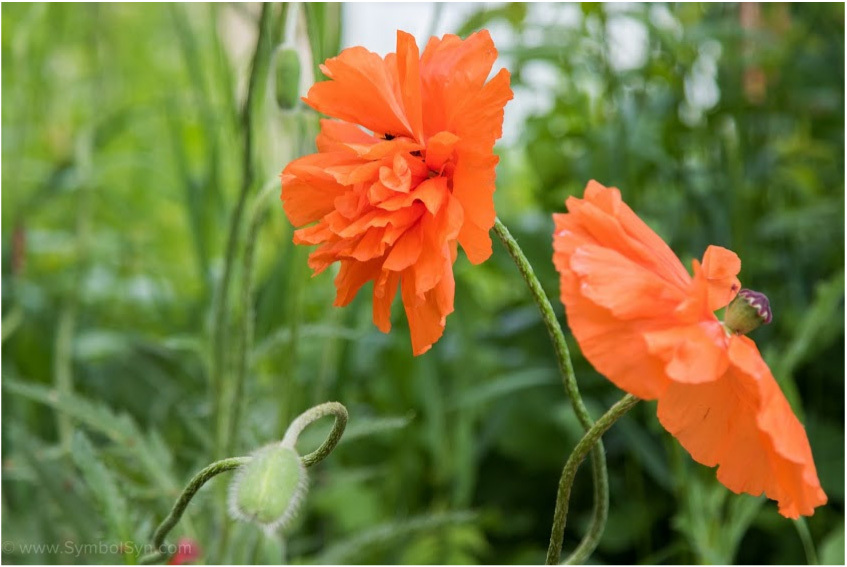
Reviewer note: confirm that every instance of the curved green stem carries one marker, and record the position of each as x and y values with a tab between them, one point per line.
598	456
599	514
310	416
549	316
181	504
582	448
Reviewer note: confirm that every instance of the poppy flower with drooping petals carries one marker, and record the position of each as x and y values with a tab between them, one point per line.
403	175
650	328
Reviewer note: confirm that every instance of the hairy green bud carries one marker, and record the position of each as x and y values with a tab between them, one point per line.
269	489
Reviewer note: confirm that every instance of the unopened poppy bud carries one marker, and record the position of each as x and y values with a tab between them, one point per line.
269	489
749	310
287	78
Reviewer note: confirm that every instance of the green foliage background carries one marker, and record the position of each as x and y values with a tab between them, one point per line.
123	161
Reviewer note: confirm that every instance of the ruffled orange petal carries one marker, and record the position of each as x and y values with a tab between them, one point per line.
336	135
308	191
480	119
440	149
617	350
622	286
743	424
473	186
720	270
692	353
351	277
406	250
408	70
444	90
384	291
363	89
427	312
439	232
713	286
604	219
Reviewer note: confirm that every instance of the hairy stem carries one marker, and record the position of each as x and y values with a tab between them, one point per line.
258	71
600	512
182	502
310	416
589	440
245	331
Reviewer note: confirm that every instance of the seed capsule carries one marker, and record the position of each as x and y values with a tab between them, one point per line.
748	311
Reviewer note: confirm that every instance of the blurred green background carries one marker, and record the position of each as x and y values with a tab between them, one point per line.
126	152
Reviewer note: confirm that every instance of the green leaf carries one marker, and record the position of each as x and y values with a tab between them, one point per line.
120	429
348	551
103	488
506	385
832	547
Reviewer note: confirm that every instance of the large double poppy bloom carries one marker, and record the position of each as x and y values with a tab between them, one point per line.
403	175
650	328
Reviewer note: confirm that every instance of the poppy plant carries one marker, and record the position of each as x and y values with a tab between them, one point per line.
650	328
403	175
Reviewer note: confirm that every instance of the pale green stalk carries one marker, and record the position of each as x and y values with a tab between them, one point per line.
806	540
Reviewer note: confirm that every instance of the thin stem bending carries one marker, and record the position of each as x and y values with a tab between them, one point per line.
310	416
582	448
181	504
598	456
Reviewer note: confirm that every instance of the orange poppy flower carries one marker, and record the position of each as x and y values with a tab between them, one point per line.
405	174
650	328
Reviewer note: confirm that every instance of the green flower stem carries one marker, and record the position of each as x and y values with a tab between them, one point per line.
310	416
258	71
806	539
598	457
589	440
549	316
245	332
181	504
